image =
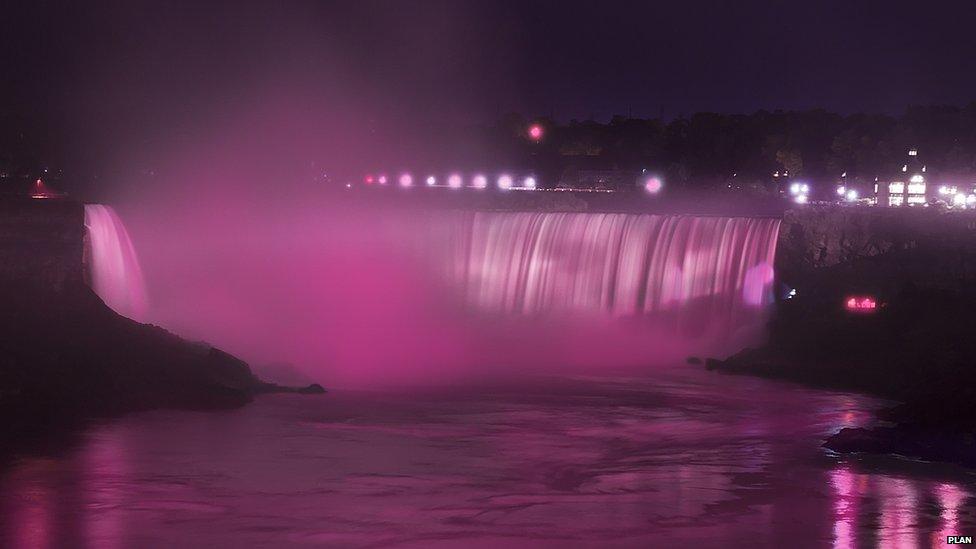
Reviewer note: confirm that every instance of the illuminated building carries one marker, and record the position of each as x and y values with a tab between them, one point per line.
909	187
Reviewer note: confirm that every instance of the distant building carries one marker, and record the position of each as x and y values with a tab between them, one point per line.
908	187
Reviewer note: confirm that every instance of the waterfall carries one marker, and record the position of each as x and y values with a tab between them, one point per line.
707	273
112	263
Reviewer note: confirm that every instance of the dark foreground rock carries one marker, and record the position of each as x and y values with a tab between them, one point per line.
66	357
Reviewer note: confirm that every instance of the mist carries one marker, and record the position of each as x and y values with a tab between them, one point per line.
226	154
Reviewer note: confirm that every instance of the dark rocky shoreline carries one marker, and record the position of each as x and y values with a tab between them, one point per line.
67	358
917	348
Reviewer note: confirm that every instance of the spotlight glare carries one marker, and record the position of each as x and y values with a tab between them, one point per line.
431	180
382	180
454	181
653	185
479	181
529	183
406	180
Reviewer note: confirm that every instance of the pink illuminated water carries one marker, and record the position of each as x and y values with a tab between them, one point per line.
353	296
618	264
686	458
112	263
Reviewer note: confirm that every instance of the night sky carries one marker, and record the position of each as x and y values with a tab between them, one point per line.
101	72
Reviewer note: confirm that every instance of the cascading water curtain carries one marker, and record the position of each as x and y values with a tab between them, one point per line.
710	274
112	263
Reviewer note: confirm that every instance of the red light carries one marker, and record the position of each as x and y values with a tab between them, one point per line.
535	132
861	304
369	179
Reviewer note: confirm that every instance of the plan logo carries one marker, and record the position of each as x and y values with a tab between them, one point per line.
959	540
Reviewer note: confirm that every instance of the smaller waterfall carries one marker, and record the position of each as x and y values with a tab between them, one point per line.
112	263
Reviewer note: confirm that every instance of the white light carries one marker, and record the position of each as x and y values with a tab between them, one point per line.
454	181
896	187
943	190
804	188
382	180
916	188
971	200
431	180
479	181
800	199
795	188
348	185
851	195
959	200
505	182
916	179
529	182
841	190
406	180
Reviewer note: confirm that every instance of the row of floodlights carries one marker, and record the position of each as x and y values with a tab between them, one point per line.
956	198
456	181
801	193
652	184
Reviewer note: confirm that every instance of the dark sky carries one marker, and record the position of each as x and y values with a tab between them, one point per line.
127	67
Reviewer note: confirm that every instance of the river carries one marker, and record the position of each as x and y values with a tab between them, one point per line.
681	457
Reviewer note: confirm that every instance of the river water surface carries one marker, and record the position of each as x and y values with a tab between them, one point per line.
684	457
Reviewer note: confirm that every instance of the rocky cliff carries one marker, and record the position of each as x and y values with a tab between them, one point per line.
65	356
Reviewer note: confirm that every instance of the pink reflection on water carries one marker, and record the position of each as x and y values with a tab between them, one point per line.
105	473
951	499
30	516
847	493
899	506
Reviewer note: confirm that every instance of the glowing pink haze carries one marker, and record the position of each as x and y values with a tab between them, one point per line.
355	297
